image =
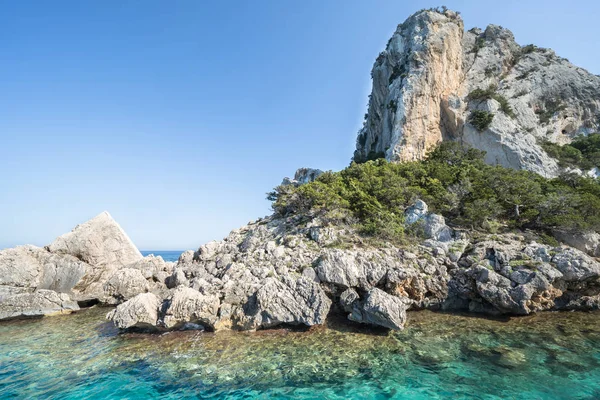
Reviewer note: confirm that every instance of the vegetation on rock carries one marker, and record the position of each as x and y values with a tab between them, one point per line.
583	152
490	93
455	182
481	119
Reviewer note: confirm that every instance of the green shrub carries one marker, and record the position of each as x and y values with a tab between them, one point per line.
530	48
479	44
453	181
490	93
583	152
551	107
397	71
481	119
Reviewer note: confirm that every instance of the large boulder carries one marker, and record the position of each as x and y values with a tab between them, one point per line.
34	267
141	312
19	302
125	284
300	302
432	226
74	268
588	242
101	243
378	308
187	305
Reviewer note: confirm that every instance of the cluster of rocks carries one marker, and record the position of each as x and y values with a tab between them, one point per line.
96	262
282	271
288	271
422	83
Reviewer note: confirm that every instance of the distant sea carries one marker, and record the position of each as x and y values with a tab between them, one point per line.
170	255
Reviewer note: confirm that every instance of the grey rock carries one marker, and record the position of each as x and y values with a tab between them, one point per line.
433	225
351	268
381	309
125	284
177	278
19	302
588	242
34	267
101	243
422	82
416	212
141	312
348	298
299	302
576	266
153	267
302	176
187	305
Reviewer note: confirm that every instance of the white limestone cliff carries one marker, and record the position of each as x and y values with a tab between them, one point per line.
421	91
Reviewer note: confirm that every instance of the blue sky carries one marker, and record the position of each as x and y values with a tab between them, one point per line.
177	117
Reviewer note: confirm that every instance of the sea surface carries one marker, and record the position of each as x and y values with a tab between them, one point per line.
167	255
82	356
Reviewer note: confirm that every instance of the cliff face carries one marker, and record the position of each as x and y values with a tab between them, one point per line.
433	75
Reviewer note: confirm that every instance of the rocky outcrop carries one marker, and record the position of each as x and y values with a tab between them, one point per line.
101	243
421	65
588	242
433	76
19	302
94	262
303	176
275	272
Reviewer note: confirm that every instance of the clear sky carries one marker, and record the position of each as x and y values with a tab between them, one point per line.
178	116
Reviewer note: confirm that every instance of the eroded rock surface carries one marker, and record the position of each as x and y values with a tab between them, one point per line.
94	262
423	92
274	272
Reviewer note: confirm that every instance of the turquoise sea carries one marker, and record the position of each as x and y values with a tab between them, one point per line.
82	356
167	255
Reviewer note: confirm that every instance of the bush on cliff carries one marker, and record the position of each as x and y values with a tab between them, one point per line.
453	181
583	152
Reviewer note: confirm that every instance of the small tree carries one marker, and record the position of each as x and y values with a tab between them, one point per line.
481	119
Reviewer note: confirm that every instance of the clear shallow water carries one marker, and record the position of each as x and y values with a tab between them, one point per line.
166	255
80	356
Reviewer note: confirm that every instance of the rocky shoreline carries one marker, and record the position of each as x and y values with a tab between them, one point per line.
278	272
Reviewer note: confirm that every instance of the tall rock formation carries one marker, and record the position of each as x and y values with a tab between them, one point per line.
434	79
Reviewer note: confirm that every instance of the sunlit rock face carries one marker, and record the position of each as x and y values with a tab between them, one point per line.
423	79
95	262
